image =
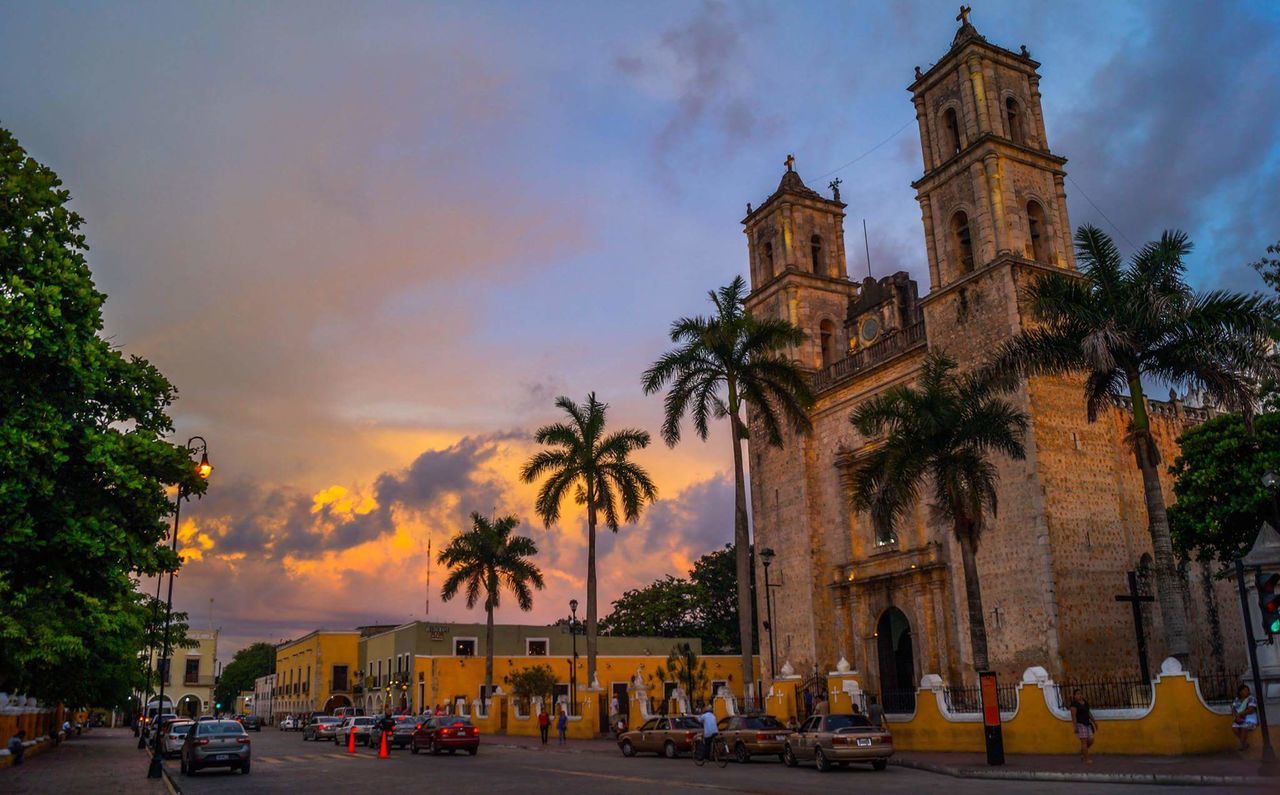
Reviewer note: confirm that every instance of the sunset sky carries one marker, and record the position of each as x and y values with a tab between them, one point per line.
370	243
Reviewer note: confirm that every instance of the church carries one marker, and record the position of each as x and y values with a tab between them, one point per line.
1072	521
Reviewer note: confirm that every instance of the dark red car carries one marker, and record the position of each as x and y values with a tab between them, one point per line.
450	733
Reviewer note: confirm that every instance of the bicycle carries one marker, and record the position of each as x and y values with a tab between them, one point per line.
719	752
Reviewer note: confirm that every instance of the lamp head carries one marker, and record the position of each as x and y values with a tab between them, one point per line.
767	555
573	606
1270	479
204	469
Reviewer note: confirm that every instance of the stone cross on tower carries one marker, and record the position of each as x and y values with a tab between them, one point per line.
791	162
963	16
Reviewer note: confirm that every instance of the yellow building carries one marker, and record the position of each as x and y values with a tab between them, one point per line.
188	690
316	673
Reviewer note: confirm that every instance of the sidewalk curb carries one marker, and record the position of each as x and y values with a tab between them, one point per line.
1169	779
551	748
169	781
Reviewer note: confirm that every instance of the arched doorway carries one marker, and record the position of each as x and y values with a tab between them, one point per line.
335	702
897	661
188	706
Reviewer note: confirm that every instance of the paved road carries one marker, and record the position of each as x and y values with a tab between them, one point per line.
282	762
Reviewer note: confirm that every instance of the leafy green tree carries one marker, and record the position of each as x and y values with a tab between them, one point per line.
1269	268
1119	324
942	436
720	364
663	608
487	557
685	668
84	466
255	660
598	468
151	610
1218	482
535	681
715	578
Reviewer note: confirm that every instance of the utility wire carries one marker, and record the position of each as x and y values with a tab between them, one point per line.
869	151
1100	212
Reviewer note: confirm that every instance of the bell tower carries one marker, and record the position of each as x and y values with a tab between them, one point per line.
991	187
795	245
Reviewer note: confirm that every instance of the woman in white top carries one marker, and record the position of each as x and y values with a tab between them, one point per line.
1244	715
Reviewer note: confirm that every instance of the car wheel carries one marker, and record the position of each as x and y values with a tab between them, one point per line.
435	749
820	761
244	769
413	748
879	764
304	737
741	753
628	749
789	756
472	751
669	750
182	765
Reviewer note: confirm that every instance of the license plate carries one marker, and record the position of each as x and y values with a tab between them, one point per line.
780	737
864	742
221	757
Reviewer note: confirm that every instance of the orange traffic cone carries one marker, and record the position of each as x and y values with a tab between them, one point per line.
351	740
382	752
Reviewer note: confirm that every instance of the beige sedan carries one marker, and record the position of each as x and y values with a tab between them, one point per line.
754	735
831	740
667	736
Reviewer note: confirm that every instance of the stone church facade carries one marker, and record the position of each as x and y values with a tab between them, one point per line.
1072	520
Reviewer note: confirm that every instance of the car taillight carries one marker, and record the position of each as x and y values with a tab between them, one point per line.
690	735
474	732
417	726
201	742
888	738
446	732
244	740
761	736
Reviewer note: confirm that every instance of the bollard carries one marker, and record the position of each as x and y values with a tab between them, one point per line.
382	752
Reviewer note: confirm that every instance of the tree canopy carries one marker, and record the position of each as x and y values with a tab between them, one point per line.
84	465
1218	482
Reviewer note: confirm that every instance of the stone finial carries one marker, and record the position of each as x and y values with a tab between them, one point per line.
788	669
1170	666
932	682
790	162
963	16
1024	52
919	74
843	666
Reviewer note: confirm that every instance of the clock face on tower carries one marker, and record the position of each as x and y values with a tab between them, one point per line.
869	330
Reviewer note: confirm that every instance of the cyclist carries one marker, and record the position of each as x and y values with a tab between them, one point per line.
709	730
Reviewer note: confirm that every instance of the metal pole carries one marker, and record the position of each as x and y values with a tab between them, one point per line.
155	619
1268	767
156	760
768	607
573	670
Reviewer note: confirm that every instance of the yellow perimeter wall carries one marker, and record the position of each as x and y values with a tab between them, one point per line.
1177	722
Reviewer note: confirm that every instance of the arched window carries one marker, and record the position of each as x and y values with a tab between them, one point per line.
815	249
768	256
951	131
1013	120
962	240
1036	248
827	339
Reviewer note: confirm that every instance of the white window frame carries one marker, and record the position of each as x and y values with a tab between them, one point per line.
475	645
528	653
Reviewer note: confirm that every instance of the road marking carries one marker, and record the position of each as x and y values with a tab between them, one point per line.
684	782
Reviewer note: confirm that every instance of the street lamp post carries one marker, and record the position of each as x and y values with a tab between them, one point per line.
573	668
203	469
766	558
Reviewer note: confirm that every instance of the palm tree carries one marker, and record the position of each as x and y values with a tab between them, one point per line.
941	434
720	363
1117	324
604	479
488	557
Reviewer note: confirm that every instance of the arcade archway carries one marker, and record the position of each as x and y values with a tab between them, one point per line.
188	706
335	702
897	661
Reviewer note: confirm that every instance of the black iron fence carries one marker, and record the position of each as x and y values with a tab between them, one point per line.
1219	688
969	699
1107	693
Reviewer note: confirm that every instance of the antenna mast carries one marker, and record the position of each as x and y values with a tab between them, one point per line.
427	611
867	245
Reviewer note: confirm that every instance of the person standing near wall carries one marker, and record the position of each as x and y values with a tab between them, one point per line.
562	725
1086	727
16	746
544	723
1244	715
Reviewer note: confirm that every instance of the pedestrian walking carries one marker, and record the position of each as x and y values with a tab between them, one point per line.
820	705
16	746
562	725
1086	727
1244	715
544	723
875	712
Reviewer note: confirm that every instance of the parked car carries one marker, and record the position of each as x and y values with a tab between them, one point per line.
667	736
251	723
175	733
754	735
158	722
831	740
290	724
322	728
450	733
401	736
216	743
359	725
347	712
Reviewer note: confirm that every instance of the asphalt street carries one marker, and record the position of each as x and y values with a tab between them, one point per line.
282	762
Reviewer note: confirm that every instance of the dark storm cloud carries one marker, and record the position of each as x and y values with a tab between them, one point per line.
697	520
1175	131
280	521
